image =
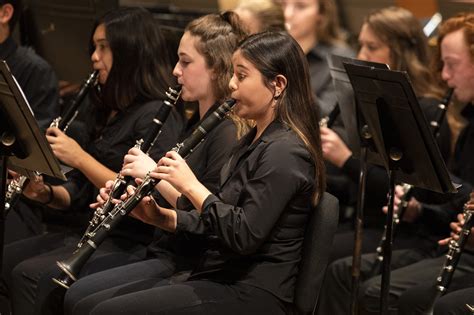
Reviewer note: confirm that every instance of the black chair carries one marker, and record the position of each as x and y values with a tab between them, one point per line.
316	250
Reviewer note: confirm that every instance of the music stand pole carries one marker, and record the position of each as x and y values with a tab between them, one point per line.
387	246
359	222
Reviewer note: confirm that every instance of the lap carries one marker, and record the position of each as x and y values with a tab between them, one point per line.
194	297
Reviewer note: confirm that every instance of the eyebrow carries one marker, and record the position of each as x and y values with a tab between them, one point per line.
242	66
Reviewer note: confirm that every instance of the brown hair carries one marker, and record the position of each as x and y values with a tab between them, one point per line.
328	30
408	45
218	36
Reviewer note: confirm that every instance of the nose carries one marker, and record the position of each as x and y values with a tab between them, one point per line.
177	70
232	83
287	11
445	74
362	54
95	56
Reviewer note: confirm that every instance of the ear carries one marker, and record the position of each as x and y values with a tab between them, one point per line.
6	13
279	84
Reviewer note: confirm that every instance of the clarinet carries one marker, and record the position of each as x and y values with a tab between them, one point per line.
121	182
452	257
74	264
328	121
16	186
63	122
407	188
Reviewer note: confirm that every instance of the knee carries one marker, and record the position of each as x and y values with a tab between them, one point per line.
369	295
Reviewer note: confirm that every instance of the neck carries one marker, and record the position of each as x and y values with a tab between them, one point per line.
261	125
307	43
4	33
204	106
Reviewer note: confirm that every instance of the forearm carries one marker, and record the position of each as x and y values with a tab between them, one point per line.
168	192
197	194
96	173
58	198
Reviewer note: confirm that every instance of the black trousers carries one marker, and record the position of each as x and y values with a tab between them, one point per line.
93	289
335	294
194	297
29	274
456	303
417	299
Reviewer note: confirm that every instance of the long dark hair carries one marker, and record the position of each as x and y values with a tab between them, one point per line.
141	69
277	53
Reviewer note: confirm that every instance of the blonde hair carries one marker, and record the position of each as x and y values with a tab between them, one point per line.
268	14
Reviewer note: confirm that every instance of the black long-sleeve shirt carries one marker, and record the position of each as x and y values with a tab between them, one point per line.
36	78
321	81
206	162
257	220
118	136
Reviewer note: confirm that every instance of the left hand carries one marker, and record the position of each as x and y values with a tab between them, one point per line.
64	148
137	164
174	169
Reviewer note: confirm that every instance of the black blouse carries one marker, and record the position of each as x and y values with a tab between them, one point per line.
117	137
256	221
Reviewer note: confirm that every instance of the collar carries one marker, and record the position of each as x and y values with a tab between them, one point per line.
7	48
273	130
468	112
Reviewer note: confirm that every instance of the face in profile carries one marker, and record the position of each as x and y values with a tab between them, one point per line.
102	58
192	71
458	66
254	99
301	18
372	48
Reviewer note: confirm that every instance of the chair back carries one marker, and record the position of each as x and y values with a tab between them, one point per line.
316	250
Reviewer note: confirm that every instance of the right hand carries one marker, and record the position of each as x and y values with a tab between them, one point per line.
413	209
103	196
334	149
149	212
36	190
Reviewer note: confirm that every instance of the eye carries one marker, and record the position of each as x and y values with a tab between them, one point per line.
240	76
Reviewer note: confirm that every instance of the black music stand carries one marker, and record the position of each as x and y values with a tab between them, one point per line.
358	140
23	147
403	139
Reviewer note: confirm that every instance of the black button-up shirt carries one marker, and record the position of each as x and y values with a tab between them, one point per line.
36	78
257	221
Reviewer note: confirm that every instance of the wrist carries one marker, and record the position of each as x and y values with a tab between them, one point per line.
47	195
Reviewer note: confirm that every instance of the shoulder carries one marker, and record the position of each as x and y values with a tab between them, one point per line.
284	145
341	49
32	60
